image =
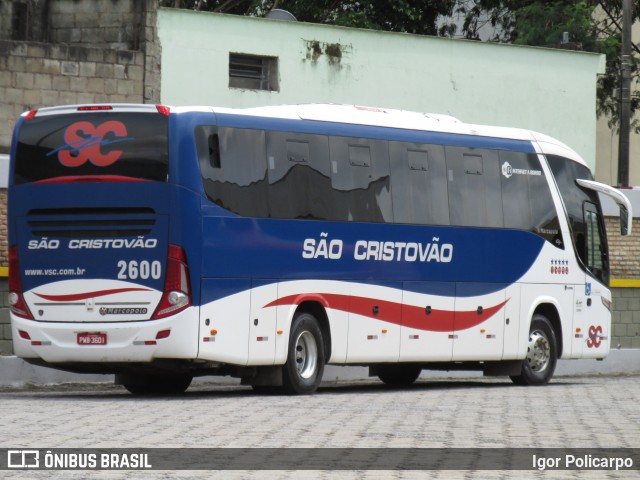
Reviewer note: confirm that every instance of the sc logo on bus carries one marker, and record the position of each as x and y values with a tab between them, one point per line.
85	142
595	336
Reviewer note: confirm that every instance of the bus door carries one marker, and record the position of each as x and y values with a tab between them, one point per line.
591	299
479	321
427	321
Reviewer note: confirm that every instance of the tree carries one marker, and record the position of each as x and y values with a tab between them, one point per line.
409	16
592	25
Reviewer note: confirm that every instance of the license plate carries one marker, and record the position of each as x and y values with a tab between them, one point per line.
92	339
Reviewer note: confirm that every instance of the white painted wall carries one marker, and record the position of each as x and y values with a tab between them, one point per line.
551	91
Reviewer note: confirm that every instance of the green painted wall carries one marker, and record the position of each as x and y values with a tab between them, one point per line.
550	91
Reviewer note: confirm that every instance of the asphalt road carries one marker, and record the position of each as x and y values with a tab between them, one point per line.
571	412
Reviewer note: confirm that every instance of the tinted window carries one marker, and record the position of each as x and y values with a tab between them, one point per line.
526	198
474	187
234	169
64	147
417	183
583	212
299	176
360	179
596	256
566	172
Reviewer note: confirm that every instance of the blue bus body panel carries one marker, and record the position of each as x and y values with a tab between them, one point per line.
268	248
220	244
64	252
237	247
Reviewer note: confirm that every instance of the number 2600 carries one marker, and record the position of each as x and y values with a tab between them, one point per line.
142	270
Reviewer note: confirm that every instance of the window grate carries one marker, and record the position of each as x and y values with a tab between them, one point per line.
253	72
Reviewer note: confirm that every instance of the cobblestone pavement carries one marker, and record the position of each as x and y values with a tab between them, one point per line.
571	412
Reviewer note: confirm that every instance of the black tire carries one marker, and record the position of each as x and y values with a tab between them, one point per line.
267	389
302	372
145	384
542	354
399	375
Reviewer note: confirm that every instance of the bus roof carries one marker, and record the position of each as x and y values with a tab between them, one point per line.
364	115
404	119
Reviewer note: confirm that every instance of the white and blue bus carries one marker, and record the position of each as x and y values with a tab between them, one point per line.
163	243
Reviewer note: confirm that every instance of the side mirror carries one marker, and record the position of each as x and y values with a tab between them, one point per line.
624	221
617	196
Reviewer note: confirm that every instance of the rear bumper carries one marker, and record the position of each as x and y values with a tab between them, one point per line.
126	341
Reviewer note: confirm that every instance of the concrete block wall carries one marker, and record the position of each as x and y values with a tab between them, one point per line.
44	74
89	51
112	24
6	347
624	252
625	318
4	242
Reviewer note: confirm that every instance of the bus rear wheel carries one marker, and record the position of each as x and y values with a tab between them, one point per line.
398	375
146	384
302	372
542	354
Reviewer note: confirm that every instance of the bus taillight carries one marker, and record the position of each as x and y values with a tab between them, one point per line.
163	110
16	299
177	288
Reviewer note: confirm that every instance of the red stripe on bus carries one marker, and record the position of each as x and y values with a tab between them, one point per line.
406	315
84	296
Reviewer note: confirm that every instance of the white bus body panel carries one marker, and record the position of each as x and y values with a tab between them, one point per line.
125	340
224	324
417	344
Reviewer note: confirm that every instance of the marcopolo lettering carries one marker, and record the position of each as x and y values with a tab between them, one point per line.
123	311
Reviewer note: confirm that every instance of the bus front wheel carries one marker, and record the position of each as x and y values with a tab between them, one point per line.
542	354
303	370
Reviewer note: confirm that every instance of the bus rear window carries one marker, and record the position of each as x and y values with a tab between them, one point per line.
93	146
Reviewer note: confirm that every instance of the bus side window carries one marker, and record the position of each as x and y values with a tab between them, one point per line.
566	172
418	183
299	178
360	179
474	187
526	197
233	166
214	151
595	255
208	148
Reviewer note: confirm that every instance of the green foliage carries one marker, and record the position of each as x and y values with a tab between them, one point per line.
592	26
544	24
392	15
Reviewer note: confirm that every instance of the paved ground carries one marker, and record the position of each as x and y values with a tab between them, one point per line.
572	412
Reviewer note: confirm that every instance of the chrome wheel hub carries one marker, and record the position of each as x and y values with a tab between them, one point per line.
306	351
539	351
